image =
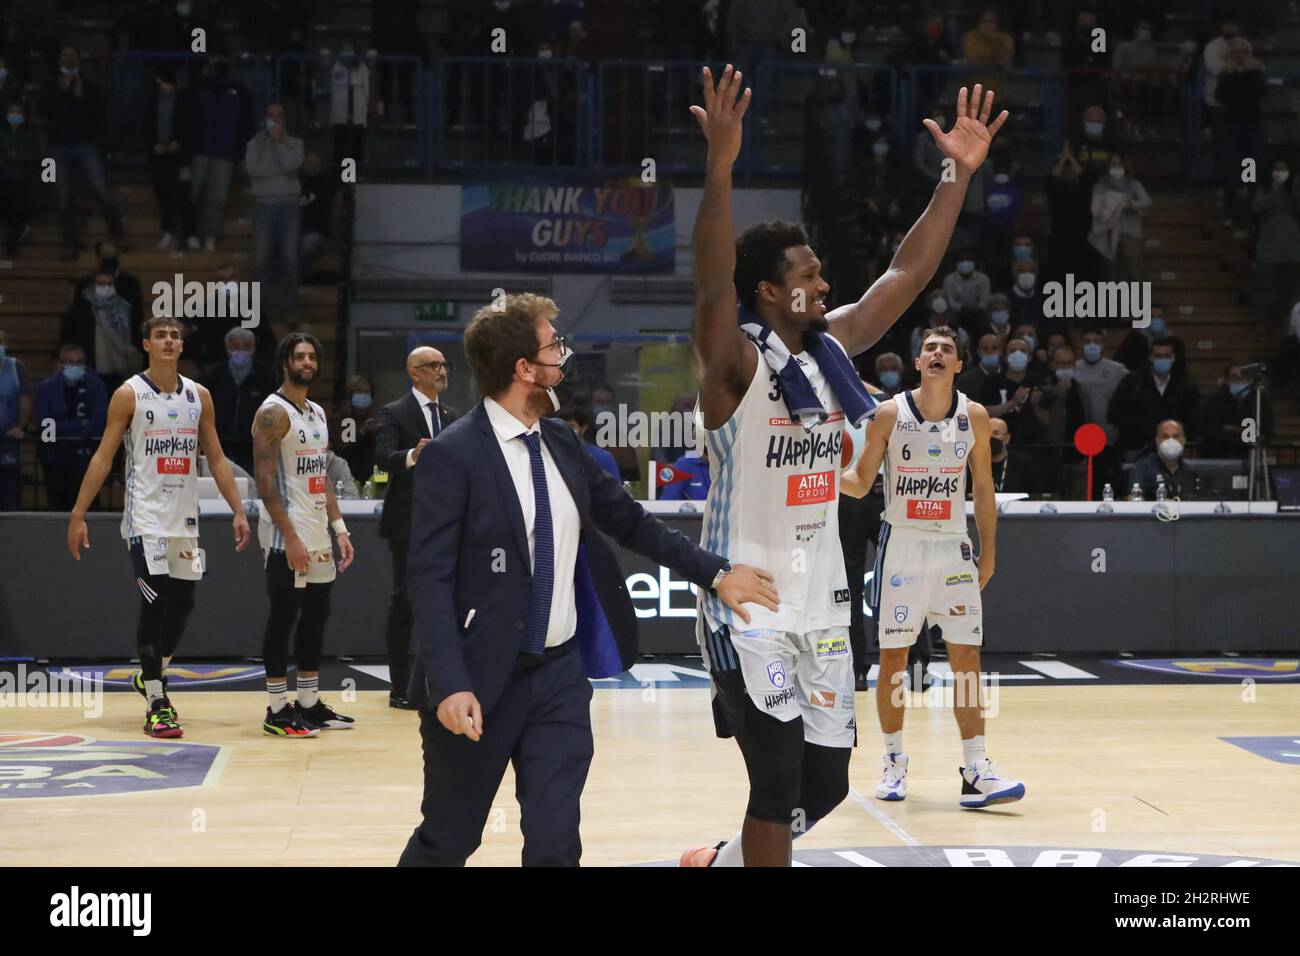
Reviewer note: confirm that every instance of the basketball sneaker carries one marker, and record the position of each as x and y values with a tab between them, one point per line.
893	778
137	681
322	715
161	720
286	723
982	786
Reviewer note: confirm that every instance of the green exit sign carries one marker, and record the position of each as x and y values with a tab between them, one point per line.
444	311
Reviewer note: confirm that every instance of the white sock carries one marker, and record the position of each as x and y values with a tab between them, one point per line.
307	696
278	692
730	854
167	662
894	743
153	691
972	750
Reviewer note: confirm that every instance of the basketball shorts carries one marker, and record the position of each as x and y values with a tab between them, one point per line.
279	576
786	675
922	575
179	558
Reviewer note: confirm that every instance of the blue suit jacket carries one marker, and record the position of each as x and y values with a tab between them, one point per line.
469	551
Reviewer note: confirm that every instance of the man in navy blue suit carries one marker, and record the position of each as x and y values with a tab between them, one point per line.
517	600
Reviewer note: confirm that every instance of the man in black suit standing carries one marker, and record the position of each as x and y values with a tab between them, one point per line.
518	600
406	426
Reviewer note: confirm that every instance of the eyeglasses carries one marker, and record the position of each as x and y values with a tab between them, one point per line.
560	343
435	365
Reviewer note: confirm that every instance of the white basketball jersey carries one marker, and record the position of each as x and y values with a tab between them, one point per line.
925	468
300	477
161	465
774	503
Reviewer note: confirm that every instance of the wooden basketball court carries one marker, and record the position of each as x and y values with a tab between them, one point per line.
1125	768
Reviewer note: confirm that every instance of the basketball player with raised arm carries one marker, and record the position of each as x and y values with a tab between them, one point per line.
776	387
927	438
296	509
165	420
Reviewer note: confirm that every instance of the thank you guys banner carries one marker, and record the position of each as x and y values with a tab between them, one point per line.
562	224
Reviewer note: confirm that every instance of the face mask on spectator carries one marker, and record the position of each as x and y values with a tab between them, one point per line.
996	445
183	9
939	304
16	120
104	291
966	266
1023	252
1030	340
880	149
1000	316
1142	36
361	400
1065	375
1091	352
72	374
68	71
1026	280
1170	449
1157	326
1162	366
990	362
1002	179
848	37
545	53
1017	361
271	125
1117	172
873	123
1094	130
241	360
889	379
1281	175
1238	389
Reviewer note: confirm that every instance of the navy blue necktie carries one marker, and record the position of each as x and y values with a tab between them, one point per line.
539	604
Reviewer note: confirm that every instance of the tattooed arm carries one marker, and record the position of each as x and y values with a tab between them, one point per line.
270	427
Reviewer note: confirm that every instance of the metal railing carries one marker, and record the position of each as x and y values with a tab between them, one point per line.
305	86
493	112
1142	106
131	88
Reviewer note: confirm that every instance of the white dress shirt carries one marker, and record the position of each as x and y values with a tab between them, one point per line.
565	523
429	407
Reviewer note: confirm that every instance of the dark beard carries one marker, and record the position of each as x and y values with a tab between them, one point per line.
818	323
298	378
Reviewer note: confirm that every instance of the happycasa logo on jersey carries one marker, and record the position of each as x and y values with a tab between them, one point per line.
926	487
171	446
70	765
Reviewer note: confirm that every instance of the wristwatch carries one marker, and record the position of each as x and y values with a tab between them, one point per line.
722	573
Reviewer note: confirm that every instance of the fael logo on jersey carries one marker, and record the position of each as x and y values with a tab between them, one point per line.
929	510
811	489
173	466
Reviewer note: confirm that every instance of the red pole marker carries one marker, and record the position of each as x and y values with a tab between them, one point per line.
1089	440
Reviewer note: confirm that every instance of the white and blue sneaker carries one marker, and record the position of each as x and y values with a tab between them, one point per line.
982	786
893	779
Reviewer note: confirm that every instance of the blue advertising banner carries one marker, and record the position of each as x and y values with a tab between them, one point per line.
541	223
